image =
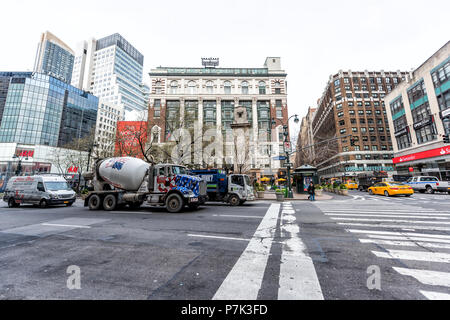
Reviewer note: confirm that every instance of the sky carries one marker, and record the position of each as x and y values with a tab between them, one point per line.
315	39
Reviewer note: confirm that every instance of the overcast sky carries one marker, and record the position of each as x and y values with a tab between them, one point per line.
314	38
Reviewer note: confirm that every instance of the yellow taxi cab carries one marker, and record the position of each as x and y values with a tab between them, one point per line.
351	185
391	189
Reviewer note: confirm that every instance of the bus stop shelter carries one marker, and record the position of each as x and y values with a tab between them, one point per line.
303	176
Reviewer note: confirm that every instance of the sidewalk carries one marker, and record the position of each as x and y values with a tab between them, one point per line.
297	197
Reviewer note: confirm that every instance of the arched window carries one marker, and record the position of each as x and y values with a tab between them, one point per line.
227	87
192	87
209	87
173	87
277	87
244	87
158	87
262	87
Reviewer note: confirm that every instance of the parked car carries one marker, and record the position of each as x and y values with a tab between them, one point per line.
389	189
38	190
428	184
351	185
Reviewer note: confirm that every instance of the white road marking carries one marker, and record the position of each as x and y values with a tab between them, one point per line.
298	278
408	238
400	233
245	279
405	243
388	216
435	295
428	277
391	226
64	226
415	211
392	220
236	216
414	255
217	237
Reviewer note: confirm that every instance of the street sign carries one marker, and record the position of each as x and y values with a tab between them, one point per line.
287	147
280	158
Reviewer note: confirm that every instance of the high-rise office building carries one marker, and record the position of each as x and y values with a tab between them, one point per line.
112	69
54	58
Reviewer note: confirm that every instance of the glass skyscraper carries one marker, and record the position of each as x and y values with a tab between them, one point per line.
115	71
54	58
42	110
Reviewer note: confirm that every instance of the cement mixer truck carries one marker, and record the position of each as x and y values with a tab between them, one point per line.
117	182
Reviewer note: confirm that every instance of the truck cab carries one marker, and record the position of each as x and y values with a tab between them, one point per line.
235	189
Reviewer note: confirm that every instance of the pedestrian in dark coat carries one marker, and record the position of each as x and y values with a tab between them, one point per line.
312	192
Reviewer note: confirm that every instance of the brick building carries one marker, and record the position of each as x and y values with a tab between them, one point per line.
352	106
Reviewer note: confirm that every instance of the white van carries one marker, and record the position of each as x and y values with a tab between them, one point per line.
38	190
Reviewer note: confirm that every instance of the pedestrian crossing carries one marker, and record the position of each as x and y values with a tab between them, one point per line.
297	278
415	240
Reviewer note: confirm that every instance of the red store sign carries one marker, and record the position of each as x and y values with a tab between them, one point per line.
423	155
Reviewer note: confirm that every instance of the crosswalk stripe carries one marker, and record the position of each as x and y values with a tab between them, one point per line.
435	295
245	279
392	220
387	216
428	277
408	238
414	255
391	226
385	211
298	278
400	233
405	243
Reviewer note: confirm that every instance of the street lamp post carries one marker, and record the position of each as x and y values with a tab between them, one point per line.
91	147
286	151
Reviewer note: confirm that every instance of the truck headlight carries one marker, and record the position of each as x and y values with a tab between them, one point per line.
54	196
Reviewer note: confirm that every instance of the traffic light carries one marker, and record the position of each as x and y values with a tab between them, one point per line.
447	138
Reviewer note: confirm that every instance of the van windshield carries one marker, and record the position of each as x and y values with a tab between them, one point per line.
57	186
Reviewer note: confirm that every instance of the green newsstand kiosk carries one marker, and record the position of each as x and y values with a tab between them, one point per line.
303	177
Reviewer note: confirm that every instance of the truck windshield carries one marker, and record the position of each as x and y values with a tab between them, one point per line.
179	170
247	181
57	186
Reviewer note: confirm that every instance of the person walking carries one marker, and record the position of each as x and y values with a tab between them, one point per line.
312	192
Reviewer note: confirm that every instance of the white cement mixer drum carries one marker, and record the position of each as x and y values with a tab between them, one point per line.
124	173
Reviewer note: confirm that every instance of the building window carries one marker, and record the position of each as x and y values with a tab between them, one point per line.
173	87
262	87
374	148
441	75
158	87
343	131
210	87
279	107
358	157
245	87
277	87
444	100
417	92
425	134
157	109
192	87
227	87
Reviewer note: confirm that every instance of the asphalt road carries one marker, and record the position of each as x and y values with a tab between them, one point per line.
263	250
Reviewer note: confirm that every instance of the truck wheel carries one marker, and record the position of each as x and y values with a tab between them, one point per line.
94	202
174	203
430	190
110	202
43	204
234	201
12	203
